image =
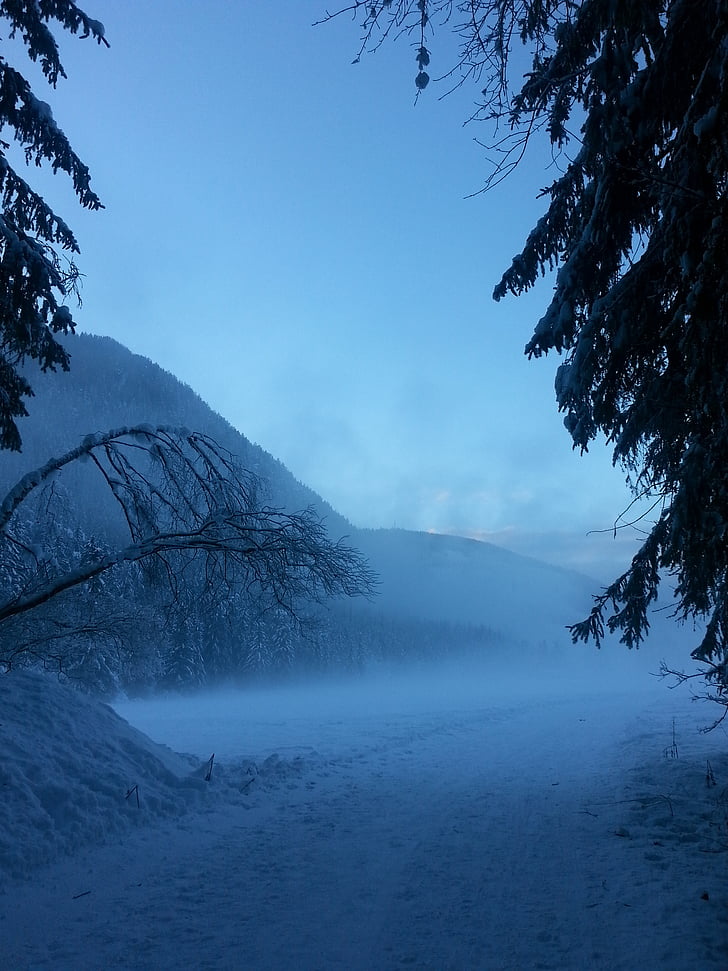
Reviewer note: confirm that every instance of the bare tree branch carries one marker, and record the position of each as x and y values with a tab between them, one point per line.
182	496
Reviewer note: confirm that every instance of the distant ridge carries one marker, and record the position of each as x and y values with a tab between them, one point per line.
437	576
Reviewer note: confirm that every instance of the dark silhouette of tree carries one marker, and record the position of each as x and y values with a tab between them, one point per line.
633	97
37	272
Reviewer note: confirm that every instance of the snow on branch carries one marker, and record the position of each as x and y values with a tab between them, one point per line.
182	495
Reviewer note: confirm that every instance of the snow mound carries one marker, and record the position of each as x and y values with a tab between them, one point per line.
71	771
74	773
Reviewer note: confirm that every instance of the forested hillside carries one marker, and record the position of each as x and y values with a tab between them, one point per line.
132	629
109	386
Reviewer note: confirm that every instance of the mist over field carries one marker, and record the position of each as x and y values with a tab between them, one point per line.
476	815
325	711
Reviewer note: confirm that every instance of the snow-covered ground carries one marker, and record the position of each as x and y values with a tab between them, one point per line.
443	821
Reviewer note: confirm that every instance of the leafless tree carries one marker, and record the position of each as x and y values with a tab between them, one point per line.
182	500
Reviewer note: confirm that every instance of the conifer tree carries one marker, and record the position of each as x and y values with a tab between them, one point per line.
37	271
633	97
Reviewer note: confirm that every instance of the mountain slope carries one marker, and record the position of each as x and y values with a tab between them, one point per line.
424	576
463	580
109	386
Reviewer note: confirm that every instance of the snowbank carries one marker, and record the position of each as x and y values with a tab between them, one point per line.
68	765
74	773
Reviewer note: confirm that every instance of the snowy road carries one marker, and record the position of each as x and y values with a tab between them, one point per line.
551	834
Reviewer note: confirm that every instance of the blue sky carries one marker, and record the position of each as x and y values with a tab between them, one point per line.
290	235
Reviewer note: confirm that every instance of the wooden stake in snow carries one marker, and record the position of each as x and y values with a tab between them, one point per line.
208	773
671	752
132	790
